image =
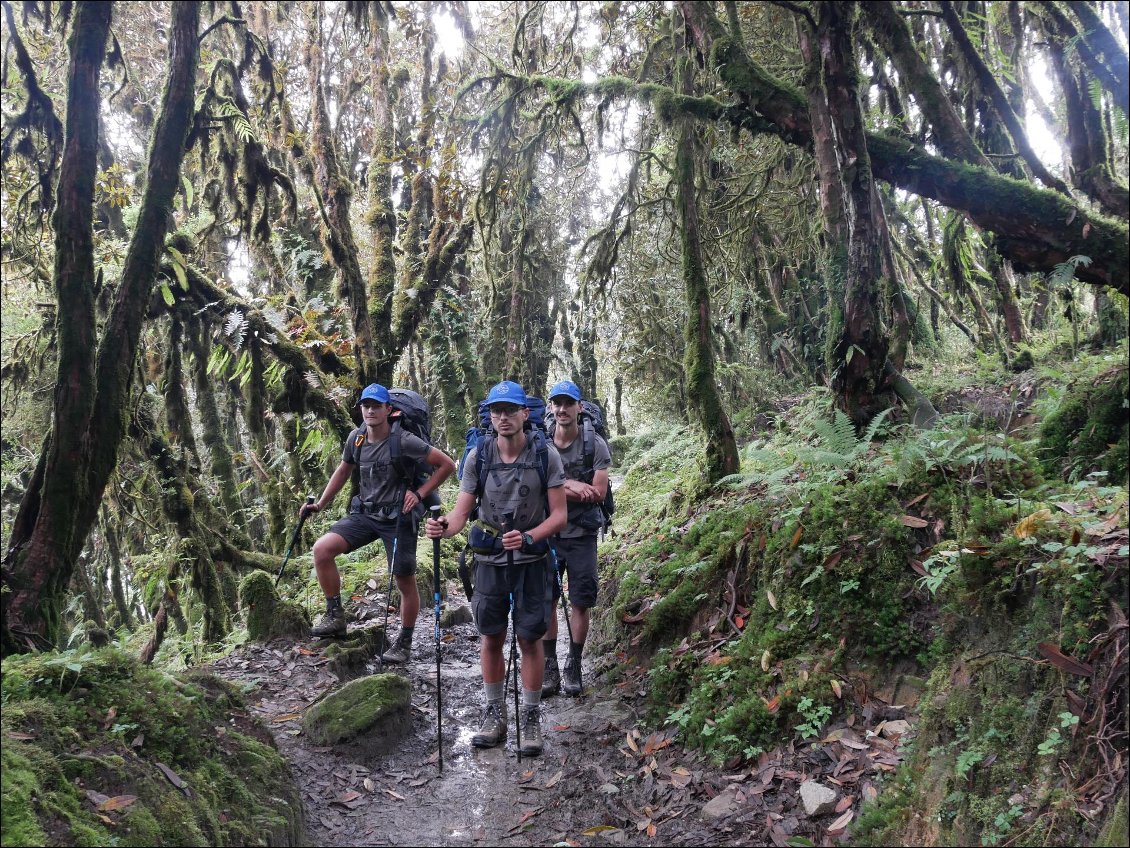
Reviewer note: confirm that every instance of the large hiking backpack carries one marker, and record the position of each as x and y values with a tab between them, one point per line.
590	420
410	412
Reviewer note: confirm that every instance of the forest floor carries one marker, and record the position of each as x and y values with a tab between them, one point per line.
604	778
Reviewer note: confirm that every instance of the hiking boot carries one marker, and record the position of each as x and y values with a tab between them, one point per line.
400	652
531	731
493	730
330	623
551	683
571	677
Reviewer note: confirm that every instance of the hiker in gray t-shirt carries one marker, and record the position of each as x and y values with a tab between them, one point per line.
521	478
373	515
576	544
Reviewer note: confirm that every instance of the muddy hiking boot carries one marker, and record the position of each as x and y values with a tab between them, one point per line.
531	731
571	677
330	623
551	683
400	651
493	729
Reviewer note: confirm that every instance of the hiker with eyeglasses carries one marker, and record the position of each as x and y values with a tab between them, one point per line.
386	508
586	460
515	480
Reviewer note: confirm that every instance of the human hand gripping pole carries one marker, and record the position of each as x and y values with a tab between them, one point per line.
302	514
439	644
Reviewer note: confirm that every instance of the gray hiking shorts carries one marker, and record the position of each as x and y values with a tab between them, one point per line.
533	602
578	557
359	530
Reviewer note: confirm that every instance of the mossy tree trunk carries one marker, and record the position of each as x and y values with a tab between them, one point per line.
336	194
1035	228
857	343
703	397
220	459
95	377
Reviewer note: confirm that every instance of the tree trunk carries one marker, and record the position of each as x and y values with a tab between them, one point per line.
90	405
857	343
1035	228
703	397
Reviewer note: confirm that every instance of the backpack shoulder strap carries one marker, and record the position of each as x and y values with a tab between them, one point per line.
482	465
588	443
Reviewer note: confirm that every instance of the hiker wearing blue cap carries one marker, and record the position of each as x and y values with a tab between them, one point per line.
516	487
585	488
383	498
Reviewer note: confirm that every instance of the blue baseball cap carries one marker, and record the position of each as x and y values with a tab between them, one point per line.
507	392
374	391
567	388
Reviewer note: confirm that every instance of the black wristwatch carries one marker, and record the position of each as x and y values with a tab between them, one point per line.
527	540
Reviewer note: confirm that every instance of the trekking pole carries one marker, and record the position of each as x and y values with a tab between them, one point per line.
391	566
560	566
439	644
294	538
514	643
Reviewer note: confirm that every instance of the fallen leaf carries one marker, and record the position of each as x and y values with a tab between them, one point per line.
116	803
1060	660
369	785
845	802
913	501
560	727
346	797
796	537
1030	524
286	717
549	784
651	831
840	824
833	560
395	795
773	704
740	622
913	521
836	688
598	828
174	779
765	660
632	743
772	598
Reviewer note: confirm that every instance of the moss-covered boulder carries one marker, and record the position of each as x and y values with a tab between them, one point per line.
269	617
100	750
381	701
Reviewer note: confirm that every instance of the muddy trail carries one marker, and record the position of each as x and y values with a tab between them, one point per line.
604	778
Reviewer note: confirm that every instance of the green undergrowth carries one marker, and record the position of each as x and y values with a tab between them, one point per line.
760	605
100	750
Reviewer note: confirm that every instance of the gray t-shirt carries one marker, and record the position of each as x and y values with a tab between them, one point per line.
513	489
380	484
573	459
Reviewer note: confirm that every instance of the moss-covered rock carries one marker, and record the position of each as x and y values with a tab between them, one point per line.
269	617
80	728
381	701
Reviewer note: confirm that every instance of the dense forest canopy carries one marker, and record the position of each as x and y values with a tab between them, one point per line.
221	220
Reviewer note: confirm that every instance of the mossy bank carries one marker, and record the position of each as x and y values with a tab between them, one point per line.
100	750
955	564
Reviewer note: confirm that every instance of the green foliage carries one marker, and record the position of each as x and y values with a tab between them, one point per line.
1088	431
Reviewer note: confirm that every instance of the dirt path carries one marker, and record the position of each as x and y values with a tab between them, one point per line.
604	778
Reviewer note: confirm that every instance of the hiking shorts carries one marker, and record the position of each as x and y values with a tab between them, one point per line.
533	601
359	530
578	558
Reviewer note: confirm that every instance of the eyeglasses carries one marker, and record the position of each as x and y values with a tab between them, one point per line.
505	411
